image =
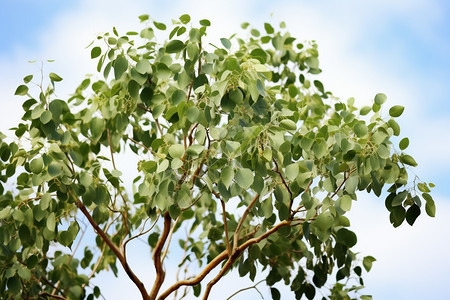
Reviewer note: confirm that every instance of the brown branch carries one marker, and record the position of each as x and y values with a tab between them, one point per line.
285	184
170	238
214	263
140	144
241	221
238	252
52	295
221	257
139	234
343	182
190	90
140	105
114	249
160	274
248	288
224	214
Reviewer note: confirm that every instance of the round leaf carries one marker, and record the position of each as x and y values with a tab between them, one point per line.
175	46
380	98
244	178
176	151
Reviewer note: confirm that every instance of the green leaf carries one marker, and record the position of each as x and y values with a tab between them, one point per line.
312	62
54	169
21	90
346	237
95	52
177	97
244	178
36	165
430	208
176	150
360	129
28	78
404	143
395	127
51	222
288	124
120	65
275	293
396	111
365	110
55	77
195	150
46	116
292	171
380	98
324	221
160	26
14	285
408	160
226	43
185	18
143	66
269	29
367	262
227	176
24	273
345	202
205	22
412	213
175	46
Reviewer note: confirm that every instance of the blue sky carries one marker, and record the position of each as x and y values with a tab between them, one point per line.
401	49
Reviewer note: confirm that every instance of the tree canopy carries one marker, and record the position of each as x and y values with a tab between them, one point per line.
236	143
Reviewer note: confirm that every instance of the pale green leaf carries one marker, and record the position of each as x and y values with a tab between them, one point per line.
244	178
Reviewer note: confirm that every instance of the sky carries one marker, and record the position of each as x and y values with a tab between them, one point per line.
400	48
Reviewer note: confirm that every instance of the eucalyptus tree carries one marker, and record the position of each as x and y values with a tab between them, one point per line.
236	143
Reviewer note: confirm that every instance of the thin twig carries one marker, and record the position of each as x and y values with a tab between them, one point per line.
224	214
285	184
140	144
110	148
114	249
343	182
169	239
52	295
141	233
248	288
241	221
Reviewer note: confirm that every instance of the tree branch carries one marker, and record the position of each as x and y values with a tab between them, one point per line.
169	238
285	184
222	256
343	182
238	252
247	288
114	249
241	221
52	295
160	274
224	214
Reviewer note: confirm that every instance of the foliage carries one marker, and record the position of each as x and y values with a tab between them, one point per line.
235	142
